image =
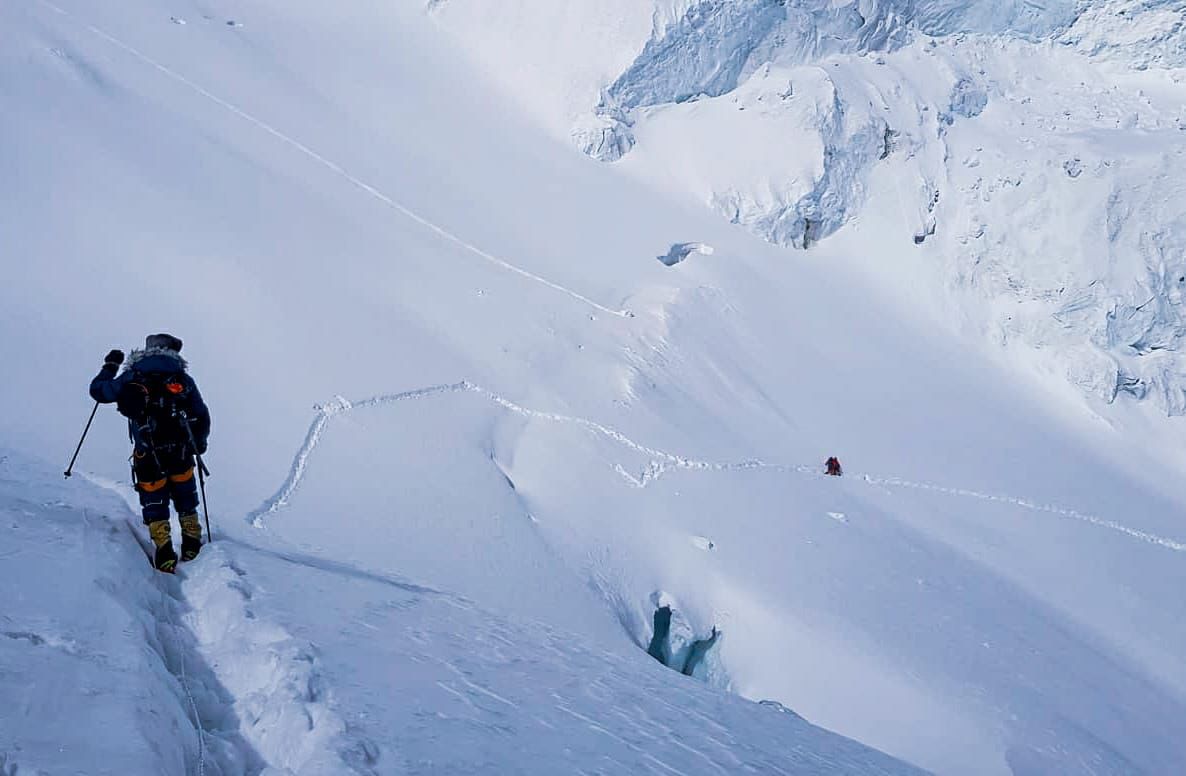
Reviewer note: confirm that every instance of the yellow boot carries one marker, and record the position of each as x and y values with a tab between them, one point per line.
191	536
165	558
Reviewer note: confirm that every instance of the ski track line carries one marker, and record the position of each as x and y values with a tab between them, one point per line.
336	168
661	463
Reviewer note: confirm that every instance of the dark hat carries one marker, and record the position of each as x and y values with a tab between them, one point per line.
166	341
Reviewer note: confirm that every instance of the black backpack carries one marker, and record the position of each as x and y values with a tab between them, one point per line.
156	402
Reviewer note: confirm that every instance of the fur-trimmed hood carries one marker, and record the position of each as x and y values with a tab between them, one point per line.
156	360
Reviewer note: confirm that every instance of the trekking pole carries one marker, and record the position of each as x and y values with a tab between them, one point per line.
91	419
202	473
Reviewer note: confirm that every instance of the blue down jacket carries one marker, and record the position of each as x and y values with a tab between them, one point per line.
106	387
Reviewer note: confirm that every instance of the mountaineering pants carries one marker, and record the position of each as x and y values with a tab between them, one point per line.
169	474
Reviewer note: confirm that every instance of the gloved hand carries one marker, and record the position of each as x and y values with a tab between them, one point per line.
201	443
115	358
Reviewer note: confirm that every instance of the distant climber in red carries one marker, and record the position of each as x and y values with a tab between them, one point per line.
833	466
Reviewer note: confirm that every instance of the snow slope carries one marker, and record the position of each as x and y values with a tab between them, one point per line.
793	119
135	672
470	434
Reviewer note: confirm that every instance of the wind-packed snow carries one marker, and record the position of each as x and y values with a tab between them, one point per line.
484	408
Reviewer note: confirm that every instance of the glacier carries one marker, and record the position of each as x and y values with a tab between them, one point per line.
828	85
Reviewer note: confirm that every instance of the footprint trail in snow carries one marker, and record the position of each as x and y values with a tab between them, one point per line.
661	461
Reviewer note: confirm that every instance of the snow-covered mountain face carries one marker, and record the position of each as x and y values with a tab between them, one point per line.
498	429
959	127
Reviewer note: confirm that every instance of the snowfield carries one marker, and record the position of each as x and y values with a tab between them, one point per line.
195	674
496	425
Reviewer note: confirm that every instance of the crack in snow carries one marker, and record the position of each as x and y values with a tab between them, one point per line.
336	168
337	567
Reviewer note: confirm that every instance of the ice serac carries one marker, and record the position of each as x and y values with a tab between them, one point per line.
968	130
1138	33
1024	18
709	50
715	45
704	53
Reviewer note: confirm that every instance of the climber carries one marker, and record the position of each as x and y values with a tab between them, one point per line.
168	424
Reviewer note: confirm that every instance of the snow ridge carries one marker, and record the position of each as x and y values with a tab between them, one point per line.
259	701
339	170
274	680
662	461
180	647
